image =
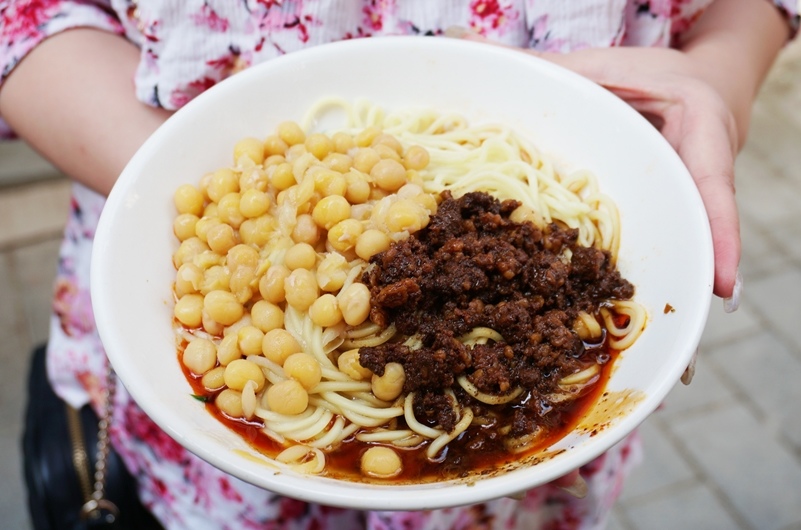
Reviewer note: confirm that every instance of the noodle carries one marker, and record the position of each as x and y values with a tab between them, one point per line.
341	397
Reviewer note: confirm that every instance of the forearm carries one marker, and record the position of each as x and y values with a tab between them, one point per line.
735	42
72	99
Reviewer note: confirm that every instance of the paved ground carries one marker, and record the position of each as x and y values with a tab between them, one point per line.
724	453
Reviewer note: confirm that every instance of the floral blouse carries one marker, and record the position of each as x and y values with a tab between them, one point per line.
186	47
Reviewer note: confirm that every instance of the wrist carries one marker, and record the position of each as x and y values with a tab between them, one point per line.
733	46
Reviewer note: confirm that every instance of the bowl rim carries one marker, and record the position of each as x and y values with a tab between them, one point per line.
352	494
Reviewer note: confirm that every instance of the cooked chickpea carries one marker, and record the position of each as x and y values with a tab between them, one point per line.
427	201
266	316
329	182
416	158
389	141
406	214
354	302
388	174
278	344
207	259
291	133
183	226
210	326
304	369
204	224
306	230
215	278
254	203
242	256
376	193
387	153
343	142
221	238
213	379
338	161
343	235
325	311
271	285
257	231
253	148
409	191
348	363
188	279
249	339
230	403
221	183
301	289
228	349
274	146
366	136
361	212
295	152
390	385
381	462
200	356
273	160
210	210
240	371
253	179
189	310
319	145
365	159
223	307
188	199
413	176
332	272
331	210
240	284
287	397
300	256
229	211
523	214
370	243
188	250
358	187
281	176
203	187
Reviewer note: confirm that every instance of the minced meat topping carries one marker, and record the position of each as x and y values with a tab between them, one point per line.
474	267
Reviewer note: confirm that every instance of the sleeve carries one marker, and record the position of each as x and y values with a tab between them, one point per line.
791	9
26	23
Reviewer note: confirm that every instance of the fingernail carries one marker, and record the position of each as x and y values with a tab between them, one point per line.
517	496
689	373
731	303
458	32
578	489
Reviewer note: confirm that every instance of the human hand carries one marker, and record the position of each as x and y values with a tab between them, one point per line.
667	87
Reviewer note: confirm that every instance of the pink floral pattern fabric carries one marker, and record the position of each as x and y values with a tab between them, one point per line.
188	46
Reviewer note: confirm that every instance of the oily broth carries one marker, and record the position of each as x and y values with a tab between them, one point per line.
464	460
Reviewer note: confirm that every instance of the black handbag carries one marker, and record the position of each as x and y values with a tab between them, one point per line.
59	449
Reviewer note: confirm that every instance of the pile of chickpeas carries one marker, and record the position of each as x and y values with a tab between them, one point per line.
284	226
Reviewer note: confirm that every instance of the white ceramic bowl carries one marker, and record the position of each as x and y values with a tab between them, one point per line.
666	246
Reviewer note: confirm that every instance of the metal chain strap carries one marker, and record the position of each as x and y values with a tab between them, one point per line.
98	507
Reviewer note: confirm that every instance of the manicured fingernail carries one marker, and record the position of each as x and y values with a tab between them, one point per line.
689	373
731	303
458	32
578	489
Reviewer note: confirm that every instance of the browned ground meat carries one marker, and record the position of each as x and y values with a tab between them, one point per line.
470	267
